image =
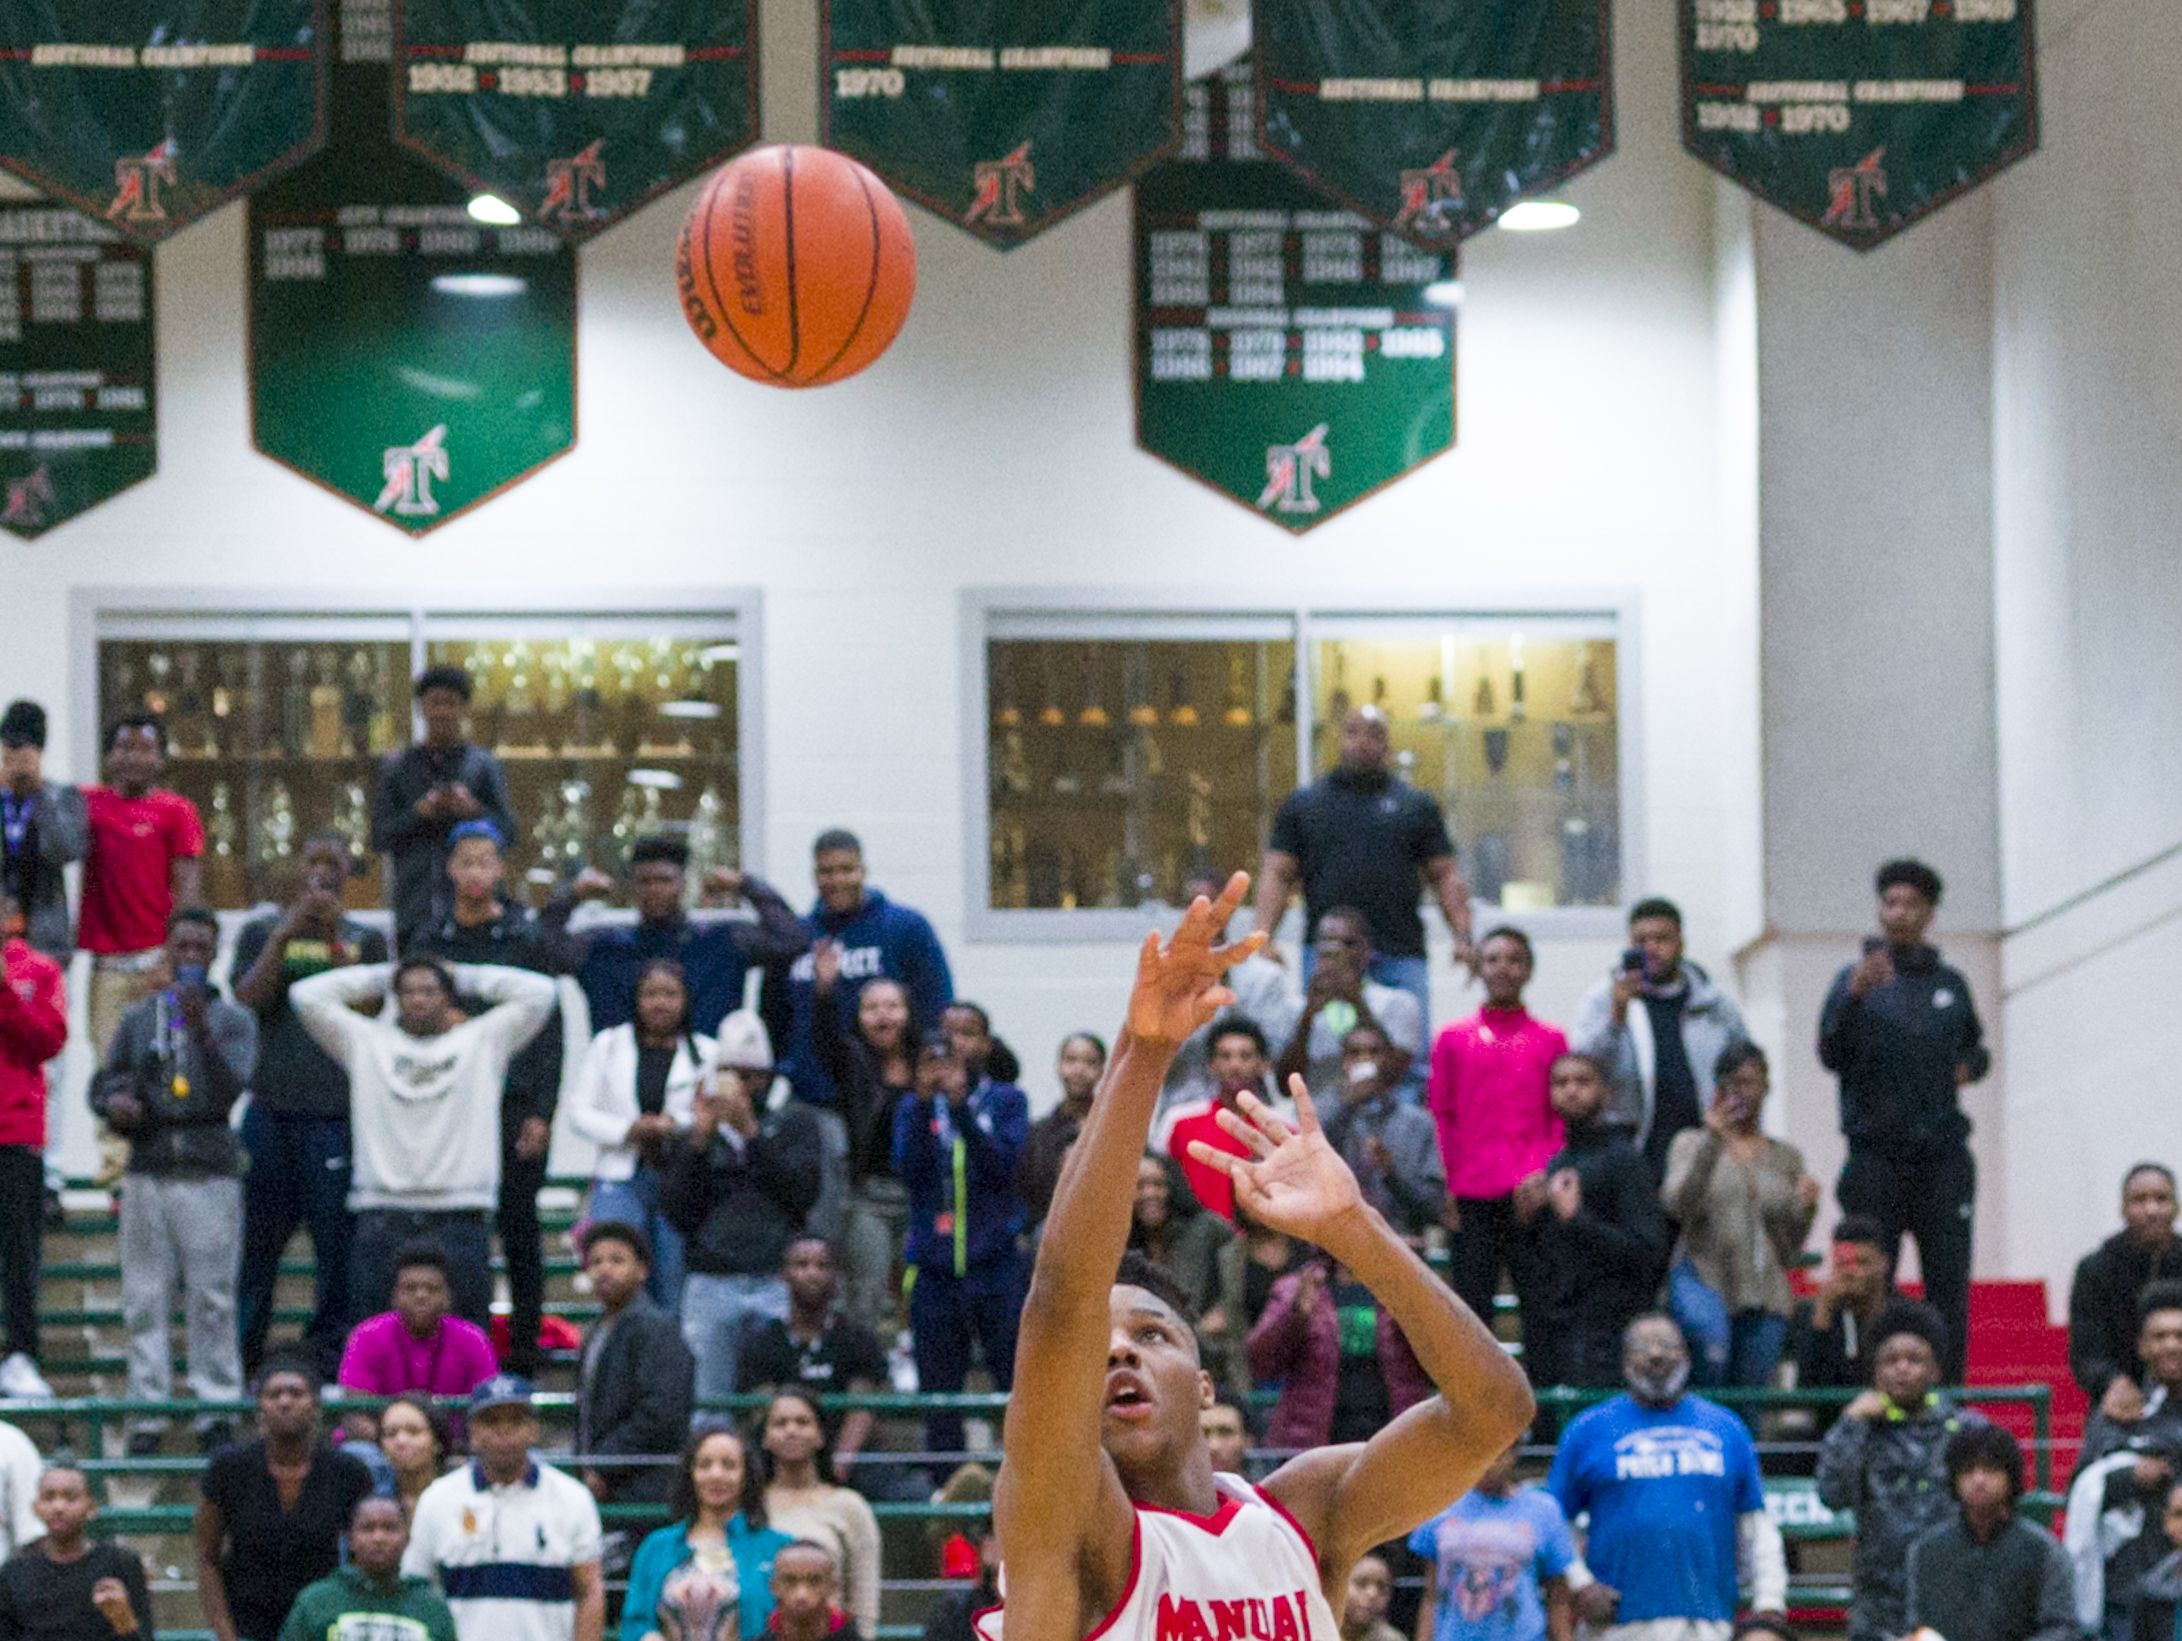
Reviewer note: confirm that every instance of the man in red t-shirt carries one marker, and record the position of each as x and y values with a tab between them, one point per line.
1239	1060
143	862
33	1028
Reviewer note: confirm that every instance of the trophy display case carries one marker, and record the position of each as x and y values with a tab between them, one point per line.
607	727
1121	764
1512	723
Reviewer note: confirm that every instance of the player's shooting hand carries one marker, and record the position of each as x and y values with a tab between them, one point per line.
1178	982
1292	1181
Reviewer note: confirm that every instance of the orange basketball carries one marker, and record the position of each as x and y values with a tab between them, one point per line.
796	266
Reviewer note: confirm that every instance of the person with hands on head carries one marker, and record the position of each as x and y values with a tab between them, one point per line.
372	1597
296	1130
177	1064
2123	1471
1900	1030
1745	1205
1602	1240
1670	1482
1886	1459
2103	1318
1341	996
1148	1536
68	1586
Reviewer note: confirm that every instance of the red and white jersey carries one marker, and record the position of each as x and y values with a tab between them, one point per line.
1244	1573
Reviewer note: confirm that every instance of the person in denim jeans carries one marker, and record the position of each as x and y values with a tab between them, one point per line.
738	1186
1745	1205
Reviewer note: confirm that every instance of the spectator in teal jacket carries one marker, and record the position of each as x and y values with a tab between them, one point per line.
717	1551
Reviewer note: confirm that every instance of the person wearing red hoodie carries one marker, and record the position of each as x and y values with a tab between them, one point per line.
1491	1094
33	1029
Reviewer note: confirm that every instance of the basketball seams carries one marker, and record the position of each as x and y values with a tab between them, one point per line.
705	215
788	233
871	284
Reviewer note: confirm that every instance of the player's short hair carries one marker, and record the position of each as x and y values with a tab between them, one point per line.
1136	1271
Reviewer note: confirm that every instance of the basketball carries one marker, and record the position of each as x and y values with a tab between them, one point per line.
796	266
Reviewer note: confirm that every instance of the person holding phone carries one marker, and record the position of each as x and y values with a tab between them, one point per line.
1659	1025
177	1065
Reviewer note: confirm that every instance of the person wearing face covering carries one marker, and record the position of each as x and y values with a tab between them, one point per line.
1670	1482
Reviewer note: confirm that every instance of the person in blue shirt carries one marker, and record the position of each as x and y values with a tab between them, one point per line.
715	954
1499	1559
870	936
1670	1484
717	1553
956	1141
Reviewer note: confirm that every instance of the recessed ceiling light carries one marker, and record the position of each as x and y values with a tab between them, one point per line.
494	212
1537	216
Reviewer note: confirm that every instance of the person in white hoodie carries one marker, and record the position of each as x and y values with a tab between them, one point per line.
424	1098
638	1083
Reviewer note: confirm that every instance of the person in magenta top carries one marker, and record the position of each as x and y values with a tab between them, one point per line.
1490	1094
143	860
417	1348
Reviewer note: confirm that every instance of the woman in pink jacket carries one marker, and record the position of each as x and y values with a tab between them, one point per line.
1344	1367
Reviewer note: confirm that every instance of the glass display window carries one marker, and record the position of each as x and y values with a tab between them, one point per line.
608	727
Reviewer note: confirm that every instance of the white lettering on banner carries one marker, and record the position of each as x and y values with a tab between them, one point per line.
1370	91
1093	58
972	57
1909	91
1483	91
1667	1451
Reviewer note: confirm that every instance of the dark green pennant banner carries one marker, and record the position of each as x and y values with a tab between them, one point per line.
1289	354
78	411
574	112
1002	115
151	113
402	355
1858	116
1434	116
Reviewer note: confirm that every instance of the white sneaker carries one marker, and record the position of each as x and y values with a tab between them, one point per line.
21	1381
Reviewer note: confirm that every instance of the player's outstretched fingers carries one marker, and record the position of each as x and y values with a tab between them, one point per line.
1260	1142
1264	1116
1306	1107
1225	1161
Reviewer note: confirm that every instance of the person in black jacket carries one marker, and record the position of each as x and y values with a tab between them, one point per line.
635	1380
872	1070
1901	1033
2159	1591
2126	1467
481	927
425	791
738	1186
2110	1281
1602	1237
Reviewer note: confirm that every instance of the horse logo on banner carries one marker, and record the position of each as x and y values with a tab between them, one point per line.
1290	470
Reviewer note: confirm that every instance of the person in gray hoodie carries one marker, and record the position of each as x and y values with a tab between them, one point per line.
1659	1025
1886	1459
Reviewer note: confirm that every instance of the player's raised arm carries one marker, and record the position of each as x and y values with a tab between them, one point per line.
1065	1523
1352	1497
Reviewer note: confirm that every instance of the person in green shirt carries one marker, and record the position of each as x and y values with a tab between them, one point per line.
370	1599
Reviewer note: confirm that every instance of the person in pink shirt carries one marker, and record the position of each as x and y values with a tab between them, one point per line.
144	858
417	1348
1490	1095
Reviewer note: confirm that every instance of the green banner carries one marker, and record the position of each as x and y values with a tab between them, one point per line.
403	355
1858	116
150	113
1002	116
78	412
1288	354
1432	117
575	113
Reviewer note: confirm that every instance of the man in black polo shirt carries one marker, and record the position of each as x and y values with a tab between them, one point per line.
1361	836
817	1350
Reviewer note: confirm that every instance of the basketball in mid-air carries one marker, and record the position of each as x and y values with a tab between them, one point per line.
796	266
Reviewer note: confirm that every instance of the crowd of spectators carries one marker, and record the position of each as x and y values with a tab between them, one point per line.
816	1174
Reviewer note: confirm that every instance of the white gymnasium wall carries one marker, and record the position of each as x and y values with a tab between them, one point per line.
993	448
2087	397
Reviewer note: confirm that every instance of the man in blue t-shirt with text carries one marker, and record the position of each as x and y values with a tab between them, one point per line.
1670	1483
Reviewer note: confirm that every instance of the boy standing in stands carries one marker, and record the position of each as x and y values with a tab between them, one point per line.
68	1586
33	1029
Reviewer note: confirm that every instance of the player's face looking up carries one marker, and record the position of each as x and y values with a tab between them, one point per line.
1156	1389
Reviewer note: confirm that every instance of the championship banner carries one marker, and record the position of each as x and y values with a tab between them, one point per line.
151	113
1289	354
1002	116
1434	116
574	112
402	355
1858	116
78	417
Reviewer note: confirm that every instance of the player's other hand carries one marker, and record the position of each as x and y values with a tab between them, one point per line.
1178	982
1293	1181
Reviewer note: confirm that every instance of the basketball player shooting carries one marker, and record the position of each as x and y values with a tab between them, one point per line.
1111	1520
